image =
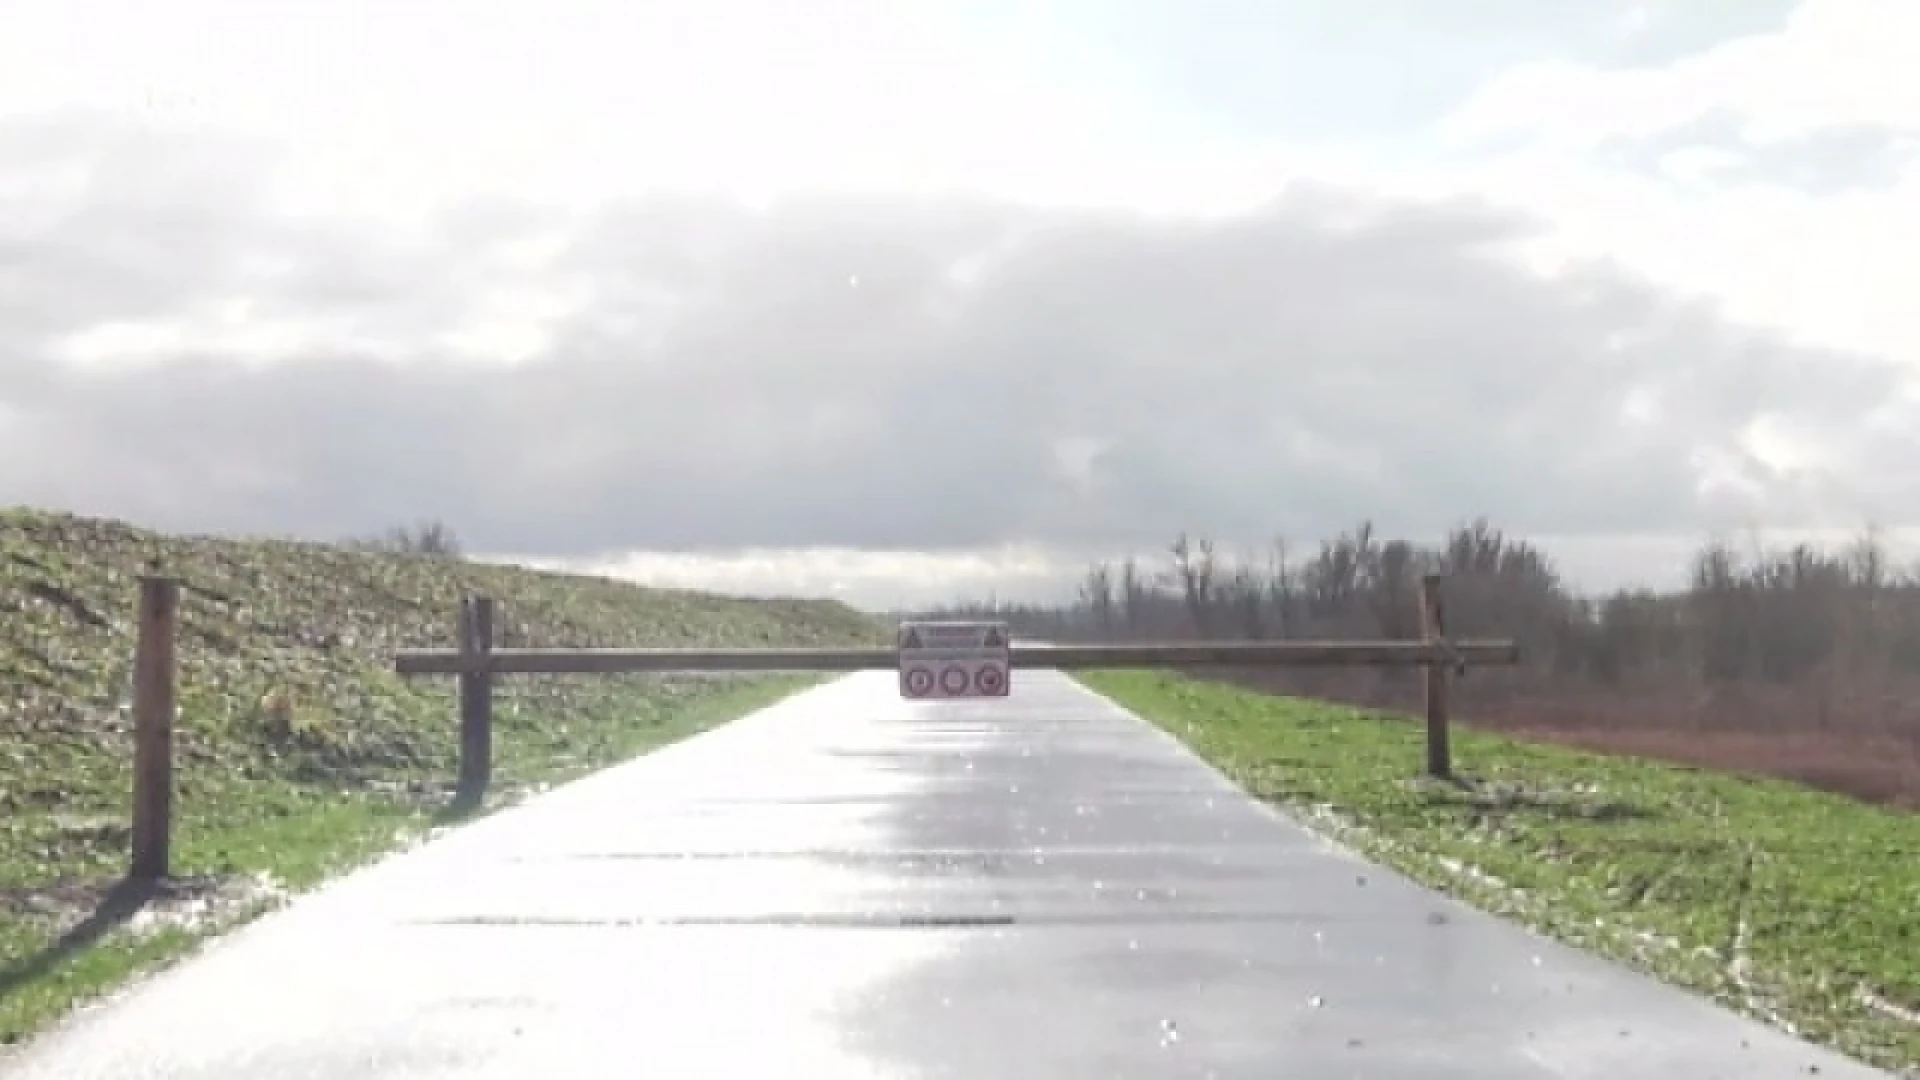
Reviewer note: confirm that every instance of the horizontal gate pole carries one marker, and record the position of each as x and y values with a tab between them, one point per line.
637	661
1067	657
1266	654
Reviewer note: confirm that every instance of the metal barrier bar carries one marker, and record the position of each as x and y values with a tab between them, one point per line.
1063	657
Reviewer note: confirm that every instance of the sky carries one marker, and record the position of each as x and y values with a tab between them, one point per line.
897	301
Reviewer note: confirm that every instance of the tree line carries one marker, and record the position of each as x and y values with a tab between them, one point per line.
1796	640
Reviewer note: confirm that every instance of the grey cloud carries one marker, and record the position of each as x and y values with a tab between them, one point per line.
909	374
95	219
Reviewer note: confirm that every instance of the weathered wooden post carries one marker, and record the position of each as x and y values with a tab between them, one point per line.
476	700
1433	628
153	714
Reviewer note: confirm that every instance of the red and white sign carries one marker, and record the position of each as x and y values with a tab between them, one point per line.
916	682
954	660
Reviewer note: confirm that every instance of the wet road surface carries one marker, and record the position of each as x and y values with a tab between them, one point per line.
849	885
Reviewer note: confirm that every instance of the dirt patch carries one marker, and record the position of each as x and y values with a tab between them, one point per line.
1866	746
193	903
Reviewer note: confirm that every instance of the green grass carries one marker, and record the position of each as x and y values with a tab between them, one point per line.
298	753
1783	902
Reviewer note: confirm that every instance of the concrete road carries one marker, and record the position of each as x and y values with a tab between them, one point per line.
851	886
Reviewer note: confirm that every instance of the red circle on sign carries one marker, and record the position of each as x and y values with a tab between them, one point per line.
918	681
990	679
954	680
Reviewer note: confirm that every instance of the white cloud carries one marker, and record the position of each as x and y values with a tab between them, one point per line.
873	580
1832	268
1835	63
490	181
388	108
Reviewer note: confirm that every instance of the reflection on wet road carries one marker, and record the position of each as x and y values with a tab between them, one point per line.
853	886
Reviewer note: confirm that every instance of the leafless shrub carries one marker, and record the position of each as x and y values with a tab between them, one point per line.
426	538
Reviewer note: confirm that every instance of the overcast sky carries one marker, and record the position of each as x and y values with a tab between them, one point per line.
896	299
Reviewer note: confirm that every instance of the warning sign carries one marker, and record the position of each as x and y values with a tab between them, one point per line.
954	660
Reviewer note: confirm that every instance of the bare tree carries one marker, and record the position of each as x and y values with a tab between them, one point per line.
1133	590
1280	588
427	538
1194	565
1096	593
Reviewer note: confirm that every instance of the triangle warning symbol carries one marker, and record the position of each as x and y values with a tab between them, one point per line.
911	639
995	639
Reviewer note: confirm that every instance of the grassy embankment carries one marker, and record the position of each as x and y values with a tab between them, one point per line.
1790	904
299	754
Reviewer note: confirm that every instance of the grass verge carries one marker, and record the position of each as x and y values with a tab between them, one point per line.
298	753
1789	904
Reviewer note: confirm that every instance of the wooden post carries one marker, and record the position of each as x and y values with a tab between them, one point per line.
476	700
153	709
1433	628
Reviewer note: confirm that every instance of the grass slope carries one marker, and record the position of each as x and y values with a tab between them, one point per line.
1790	904
298	752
